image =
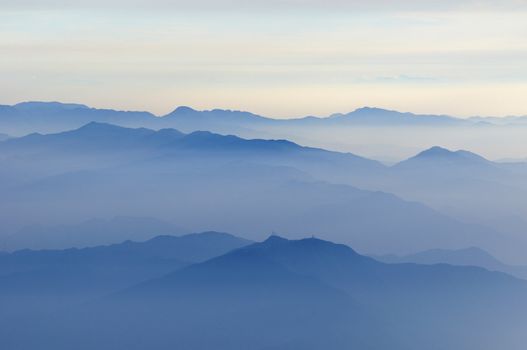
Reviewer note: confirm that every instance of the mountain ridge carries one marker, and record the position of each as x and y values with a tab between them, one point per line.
72	114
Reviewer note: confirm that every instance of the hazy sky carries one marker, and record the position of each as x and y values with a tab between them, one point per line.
278	58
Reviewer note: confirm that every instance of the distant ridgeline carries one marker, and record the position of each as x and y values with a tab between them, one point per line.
27	117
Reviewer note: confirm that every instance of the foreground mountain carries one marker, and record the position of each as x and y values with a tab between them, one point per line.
135	260
34	283
311	294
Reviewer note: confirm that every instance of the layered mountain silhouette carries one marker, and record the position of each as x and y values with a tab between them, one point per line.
373	132
91	201
205	181
124	262
440	164
305	293
464	185
29	117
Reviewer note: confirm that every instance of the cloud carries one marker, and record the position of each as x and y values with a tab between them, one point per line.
268	5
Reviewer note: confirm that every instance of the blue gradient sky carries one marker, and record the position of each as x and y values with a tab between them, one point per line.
278	58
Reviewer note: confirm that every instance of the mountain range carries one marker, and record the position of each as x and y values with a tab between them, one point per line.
202	180
58	116
349	131
282	294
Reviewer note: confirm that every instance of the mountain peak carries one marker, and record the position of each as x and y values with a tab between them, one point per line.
35	105
98	126
183	110
445	157
436	151
367	109
374	114
272	239
114	133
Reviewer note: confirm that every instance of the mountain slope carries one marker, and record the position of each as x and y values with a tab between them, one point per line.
379	116
30	117
283	294
405	291
180	249
438	157
203	180
37	283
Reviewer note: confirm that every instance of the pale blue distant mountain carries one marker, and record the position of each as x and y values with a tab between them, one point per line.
509	120
465	185
97	270
105	141
463	257
443	160
203	180
29	117
101	135
39	108
436	154
379	116
46	117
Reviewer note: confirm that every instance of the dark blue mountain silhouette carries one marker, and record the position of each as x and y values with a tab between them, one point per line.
307	293
38	281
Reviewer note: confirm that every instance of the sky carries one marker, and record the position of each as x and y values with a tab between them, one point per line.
277	58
